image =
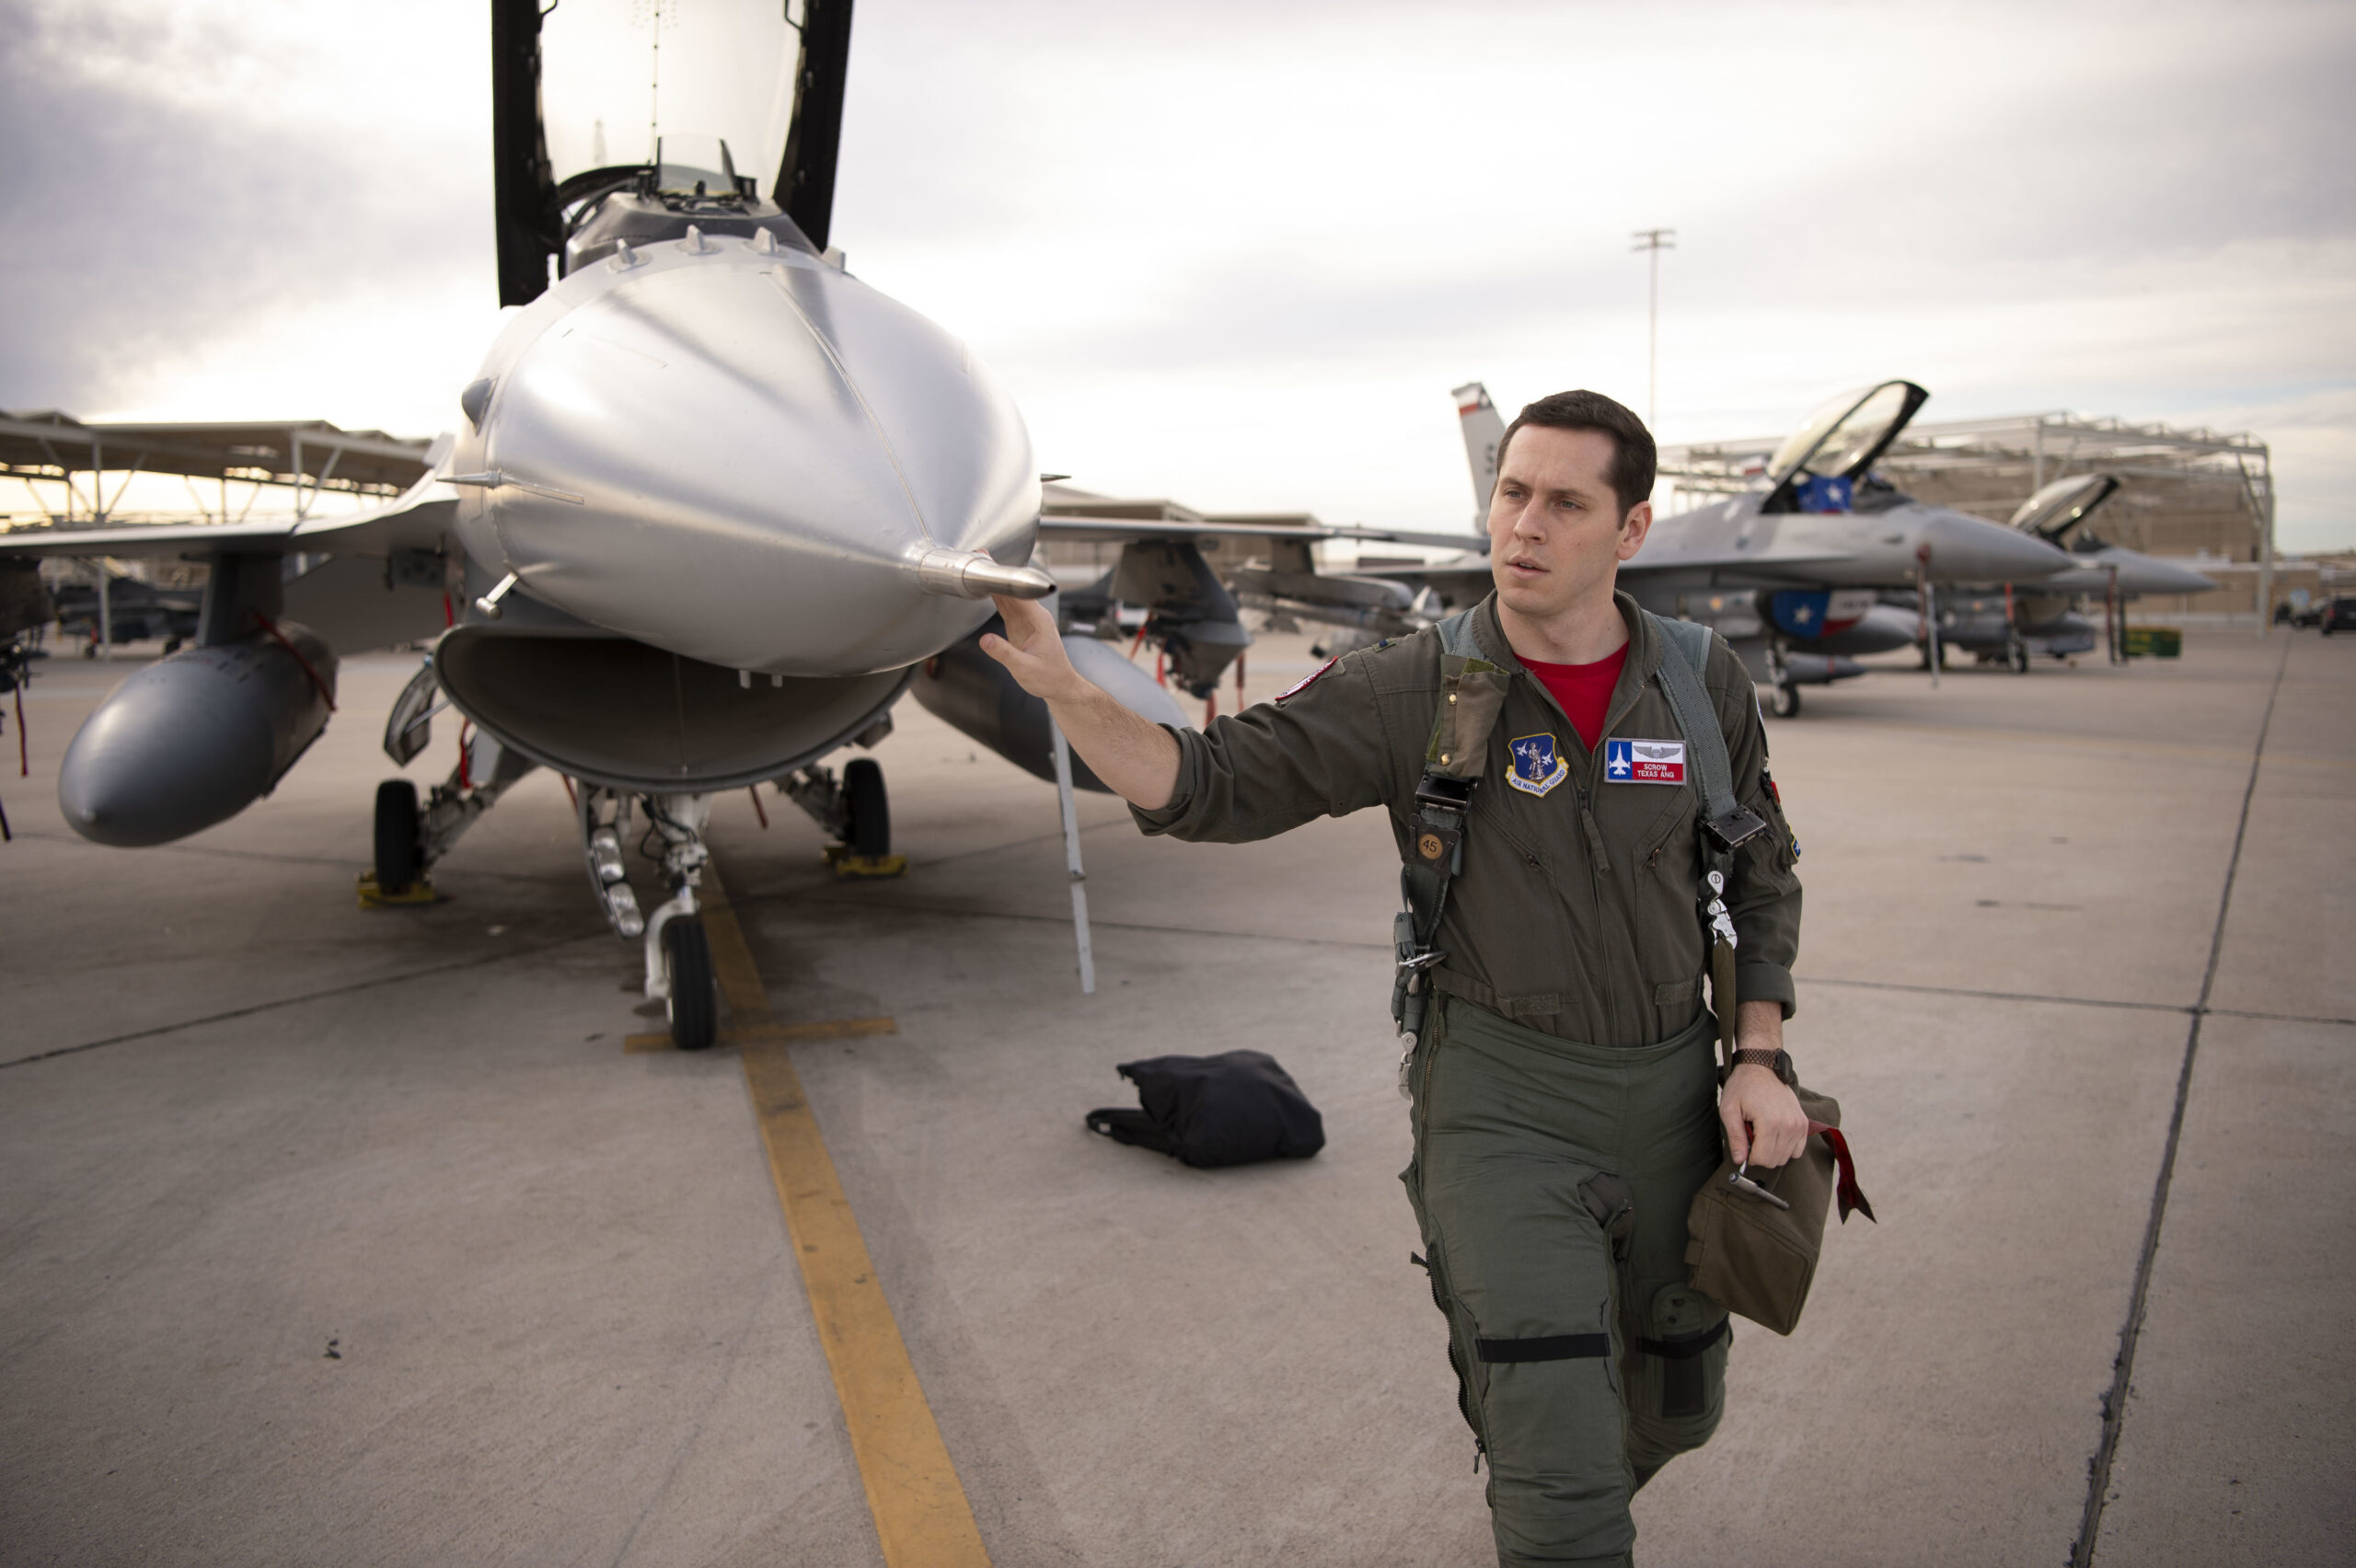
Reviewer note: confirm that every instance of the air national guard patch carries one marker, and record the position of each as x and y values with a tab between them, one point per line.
1538	765
1644	761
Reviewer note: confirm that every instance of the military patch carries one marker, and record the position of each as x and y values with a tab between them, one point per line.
1306	680
1644	761
1538	765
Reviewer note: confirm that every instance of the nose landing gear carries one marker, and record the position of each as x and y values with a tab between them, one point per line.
678	954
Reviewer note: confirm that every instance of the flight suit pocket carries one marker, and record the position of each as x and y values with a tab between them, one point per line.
1682	1355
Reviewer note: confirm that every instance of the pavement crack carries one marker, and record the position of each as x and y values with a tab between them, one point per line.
1992	996
2114	1406
478	962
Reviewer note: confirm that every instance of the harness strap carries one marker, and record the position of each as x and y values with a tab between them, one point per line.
1726	822
1547	1347
1705	743
1456	635
1435	844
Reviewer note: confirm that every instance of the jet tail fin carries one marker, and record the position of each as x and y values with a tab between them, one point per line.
1484	431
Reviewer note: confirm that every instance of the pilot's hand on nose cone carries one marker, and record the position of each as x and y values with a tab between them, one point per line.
1031	651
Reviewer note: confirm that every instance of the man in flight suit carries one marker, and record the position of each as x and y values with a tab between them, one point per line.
1565	1081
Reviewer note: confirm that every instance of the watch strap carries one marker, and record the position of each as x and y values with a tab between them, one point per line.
1776	1062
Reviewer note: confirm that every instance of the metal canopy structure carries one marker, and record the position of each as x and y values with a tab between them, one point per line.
94	464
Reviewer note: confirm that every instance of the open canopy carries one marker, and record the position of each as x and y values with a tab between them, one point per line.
1842	439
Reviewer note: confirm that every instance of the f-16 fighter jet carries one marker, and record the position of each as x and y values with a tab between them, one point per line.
1787	572
2008	622
712	506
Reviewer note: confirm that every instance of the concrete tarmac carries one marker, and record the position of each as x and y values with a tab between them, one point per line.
356	1236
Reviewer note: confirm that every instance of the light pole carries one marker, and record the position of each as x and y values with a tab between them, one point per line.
1656	241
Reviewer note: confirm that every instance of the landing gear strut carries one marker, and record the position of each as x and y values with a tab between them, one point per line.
1783	692
855	812
678	954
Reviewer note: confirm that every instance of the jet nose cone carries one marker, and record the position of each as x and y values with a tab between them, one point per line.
742	455
2139	573
1963	548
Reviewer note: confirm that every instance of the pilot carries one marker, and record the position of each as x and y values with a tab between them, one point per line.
1567	1102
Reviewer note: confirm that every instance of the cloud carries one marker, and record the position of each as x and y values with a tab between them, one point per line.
1238	254
208	217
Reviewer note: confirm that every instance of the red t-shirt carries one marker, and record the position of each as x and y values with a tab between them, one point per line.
1584	690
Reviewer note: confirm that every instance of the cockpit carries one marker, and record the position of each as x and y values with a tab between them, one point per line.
640	118
692	182
1826	464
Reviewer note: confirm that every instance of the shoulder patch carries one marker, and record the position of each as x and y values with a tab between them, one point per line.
1307	681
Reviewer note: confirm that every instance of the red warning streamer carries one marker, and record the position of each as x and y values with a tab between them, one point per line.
1850	1195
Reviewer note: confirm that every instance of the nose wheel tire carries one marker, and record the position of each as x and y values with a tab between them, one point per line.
867	814
694	1001
2016	656
1784	700
400	835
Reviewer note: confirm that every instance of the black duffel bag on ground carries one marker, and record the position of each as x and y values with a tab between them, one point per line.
1231	1109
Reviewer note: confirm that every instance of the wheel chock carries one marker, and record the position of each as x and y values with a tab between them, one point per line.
375	897
847	865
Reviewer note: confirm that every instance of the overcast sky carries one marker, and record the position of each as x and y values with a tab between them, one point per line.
1237	254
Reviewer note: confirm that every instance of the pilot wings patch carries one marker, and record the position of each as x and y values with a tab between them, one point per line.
1538	765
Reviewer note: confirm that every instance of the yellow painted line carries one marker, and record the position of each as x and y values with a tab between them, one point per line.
737	1034
922	1520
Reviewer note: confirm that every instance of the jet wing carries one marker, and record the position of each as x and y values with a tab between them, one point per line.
1119	530
1115	530
1767	562
354	599
1476	542
418	519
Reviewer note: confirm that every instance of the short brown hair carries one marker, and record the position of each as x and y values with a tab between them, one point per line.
1636	462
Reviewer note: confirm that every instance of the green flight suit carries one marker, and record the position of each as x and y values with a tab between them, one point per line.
1566	1087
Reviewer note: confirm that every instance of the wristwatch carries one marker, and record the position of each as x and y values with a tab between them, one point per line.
1777	1062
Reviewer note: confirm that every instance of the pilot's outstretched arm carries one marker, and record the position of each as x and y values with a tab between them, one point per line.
1319	752
1135	757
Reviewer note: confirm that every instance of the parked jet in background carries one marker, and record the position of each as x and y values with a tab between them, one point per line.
1787	574
2010	623
129	610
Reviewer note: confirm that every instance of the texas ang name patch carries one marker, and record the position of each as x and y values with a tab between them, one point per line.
1644	761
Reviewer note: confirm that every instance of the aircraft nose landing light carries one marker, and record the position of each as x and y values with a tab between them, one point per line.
748	457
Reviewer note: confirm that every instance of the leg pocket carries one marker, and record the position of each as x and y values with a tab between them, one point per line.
1677	1390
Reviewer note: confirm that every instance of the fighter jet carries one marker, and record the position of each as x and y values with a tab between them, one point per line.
1787	574
128	610
712	506
2007	623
